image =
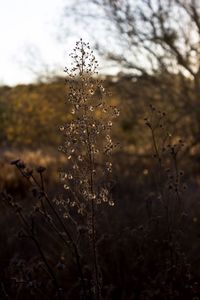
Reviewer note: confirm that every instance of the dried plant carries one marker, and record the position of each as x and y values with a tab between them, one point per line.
88	146
166	150
170	211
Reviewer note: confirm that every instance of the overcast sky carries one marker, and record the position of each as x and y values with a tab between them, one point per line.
29	42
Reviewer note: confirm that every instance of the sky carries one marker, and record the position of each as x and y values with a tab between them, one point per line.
29	42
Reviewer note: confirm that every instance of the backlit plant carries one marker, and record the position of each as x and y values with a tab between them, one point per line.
88	146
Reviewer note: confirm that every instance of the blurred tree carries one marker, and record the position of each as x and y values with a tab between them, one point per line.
31	114
150	34
157	41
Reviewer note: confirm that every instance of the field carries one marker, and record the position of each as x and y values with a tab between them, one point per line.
124	225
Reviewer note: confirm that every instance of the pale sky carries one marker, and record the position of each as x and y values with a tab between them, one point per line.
29	32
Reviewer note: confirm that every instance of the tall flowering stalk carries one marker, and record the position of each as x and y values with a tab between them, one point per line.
88	147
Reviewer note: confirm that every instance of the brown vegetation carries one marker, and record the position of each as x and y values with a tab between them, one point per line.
111	227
